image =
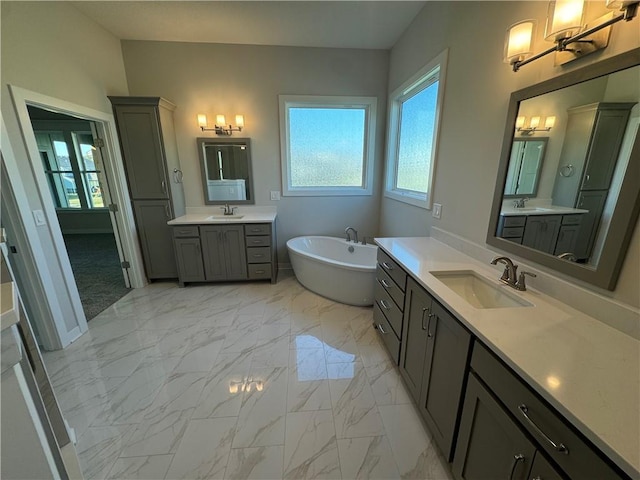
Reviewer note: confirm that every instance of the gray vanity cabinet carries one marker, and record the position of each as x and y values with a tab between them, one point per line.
592	200
541	232
490	445
188	250
223	252
155	238
433	360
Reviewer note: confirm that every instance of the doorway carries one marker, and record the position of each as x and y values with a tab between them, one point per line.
79	190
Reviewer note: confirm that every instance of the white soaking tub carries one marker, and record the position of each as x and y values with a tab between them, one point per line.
334	268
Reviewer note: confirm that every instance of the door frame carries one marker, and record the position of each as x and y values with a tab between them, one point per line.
114	169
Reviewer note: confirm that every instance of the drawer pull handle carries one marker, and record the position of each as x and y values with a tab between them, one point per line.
557	447
385	284
382	330
385	305
255	229
387	266
424	310
516	458
257	241
184	232
259	271
258	255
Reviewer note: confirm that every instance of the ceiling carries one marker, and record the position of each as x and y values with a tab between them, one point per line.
337	24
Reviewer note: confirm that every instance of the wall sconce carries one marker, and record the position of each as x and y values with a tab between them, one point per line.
565	28
534	123
221	127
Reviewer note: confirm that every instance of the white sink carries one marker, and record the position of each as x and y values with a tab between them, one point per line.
224	217
478	291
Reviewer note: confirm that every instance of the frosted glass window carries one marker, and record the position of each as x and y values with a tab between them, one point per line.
414	113
326	145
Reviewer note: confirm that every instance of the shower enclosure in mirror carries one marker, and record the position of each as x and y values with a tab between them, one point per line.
570	200
226	170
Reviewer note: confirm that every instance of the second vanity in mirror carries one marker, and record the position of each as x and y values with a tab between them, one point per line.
566	196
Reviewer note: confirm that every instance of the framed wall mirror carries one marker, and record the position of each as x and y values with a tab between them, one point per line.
585	188
226	170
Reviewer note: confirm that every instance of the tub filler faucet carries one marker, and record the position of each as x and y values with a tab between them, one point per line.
355	234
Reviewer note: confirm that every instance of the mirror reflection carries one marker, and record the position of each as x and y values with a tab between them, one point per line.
561	190
226	170
525	164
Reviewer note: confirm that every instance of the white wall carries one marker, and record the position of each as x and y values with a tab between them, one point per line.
230	79
475	107
52	49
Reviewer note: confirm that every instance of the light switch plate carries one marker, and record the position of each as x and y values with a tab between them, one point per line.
275	195
38	216
437	210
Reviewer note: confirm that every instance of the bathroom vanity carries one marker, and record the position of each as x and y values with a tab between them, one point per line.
510	384
213	247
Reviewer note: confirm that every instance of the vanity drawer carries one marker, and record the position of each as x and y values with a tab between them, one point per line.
263	241
258	254
186	231
512	232
386	333
571	219
389	308
390	286
581	459
259	270
392	269
257	229
515	221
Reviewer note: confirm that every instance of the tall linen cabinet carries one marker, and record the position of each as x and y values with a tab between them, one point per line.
150	153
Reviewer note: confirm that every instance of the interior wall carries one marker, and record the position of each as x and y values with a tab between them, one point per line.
230	79
52	49
477	91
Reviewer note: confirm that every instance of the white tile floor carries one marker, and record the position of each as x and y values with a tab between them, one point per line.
246	380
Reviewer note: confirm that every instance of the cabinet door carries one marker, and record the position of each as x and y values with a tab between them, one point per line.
213	253
155	238
490	445
605	147
567	239
235	252
189	260
444	374
414	336
141	141
594	202
541	232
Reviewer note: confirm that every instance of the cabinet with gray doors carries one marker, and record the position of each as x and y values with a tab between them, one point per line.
433	361
149	150
218	253
507	431
555	234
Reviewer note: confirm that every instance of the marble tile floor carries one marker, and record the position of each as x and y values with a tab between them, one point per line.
238	381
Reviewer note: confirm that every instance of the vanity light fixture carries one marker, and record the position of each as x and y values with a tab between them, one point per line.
534	123
565	28
221	127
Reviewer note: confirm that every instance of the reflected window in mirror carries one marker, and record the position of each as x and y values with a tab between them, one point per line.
525	165
226	170
583	193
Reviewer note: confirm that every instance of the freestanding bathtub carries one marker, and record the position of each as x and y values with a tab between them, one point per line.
334	268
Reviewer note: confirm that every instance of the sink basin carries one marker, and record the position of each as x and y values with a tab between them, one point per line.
224	217
478	291
534	209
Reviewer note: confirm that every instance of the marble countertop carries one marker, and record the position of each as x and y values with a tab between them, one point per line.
589	371
205	216
549	210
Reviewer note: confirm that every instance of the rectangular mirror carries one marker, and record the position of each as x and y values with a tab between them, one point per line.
573	206
226	170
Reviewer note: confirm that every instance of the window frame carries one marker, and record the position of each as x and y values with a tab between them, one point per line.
368	104
433	71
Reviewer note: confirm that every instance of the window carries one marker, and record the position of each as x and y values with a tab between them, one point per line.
70	168
414	116
327	145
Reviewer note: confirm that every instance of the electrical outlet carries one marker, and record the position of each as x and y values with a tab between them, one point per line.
437	210
275	195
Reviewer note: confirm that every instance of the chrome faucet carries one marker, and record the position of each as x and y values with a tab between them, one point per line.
228	210
509	274
371	241
520	202
355	234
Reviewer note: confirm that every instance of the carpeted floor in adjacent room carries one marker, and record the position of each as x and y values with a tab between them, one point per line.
96	268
